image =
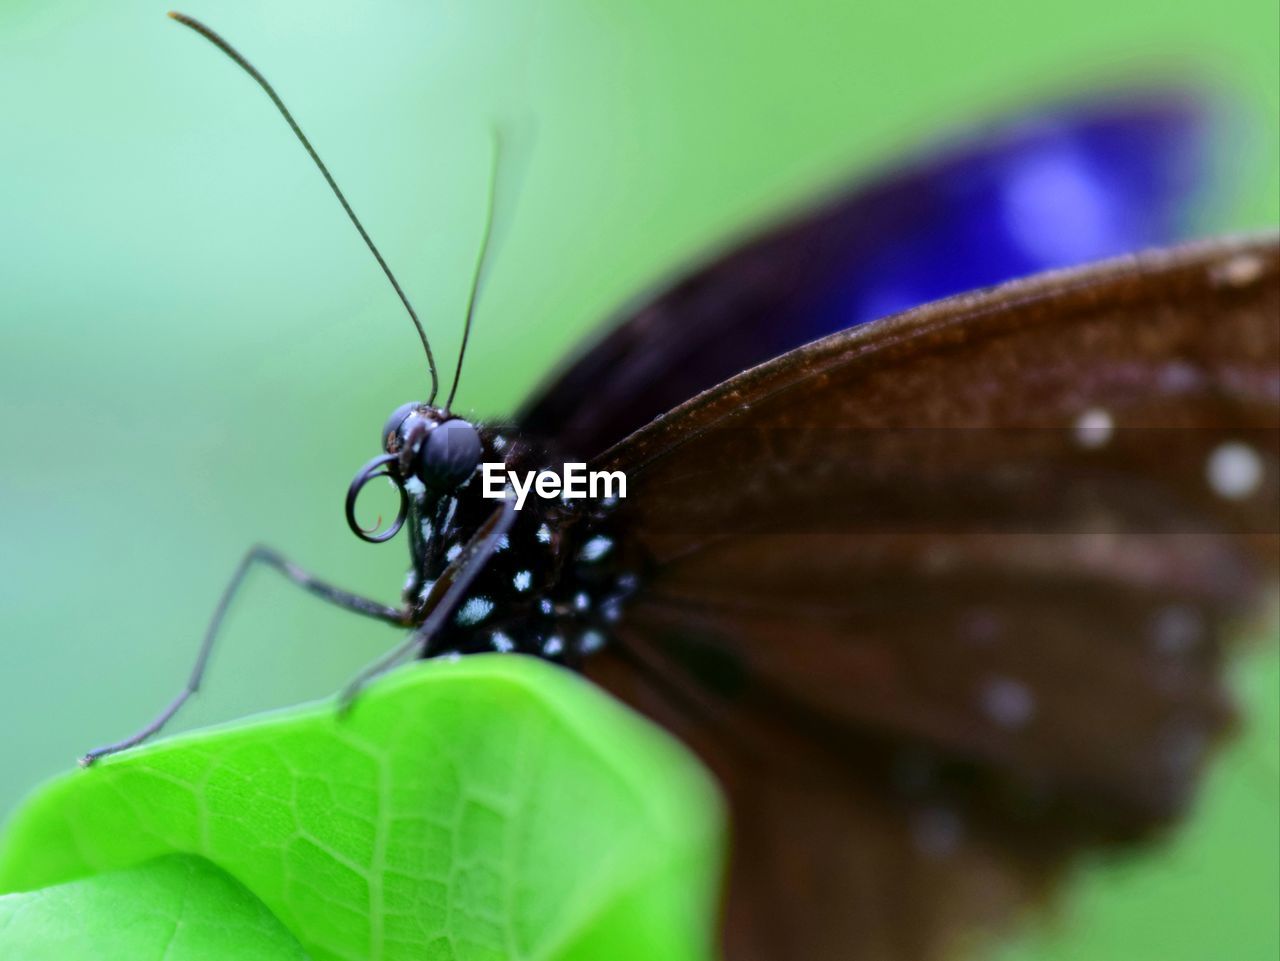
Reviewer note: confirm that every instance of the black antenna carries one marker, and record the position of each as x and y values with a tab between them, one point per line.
477	279
252	71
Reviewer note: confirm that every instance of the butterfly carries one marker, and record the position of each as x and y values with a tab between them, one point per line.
939	592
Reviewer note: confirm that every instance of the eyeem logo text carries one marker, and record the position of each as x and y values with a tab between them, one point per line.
575	482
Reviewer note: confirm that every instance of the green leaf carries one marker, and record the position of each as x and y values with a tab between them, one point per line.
489	808
178	908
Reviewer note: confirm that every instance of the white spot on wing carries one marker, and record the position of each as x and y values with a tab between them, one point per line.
1234	470
453	552
1094	428
1007	702
981	626
1182	747
1240	271
939	558
544	534
1177	629
936	832
522	580
1178	377
501	642
553	647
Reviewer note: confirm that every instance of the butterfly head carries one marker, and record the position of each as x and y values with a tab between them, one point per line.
427	453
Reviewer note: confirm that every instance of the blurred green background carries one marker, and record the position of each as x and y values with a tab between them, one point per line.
196	352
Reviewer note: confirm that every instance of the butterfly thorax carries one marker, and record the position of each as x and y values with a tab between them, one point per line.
556	583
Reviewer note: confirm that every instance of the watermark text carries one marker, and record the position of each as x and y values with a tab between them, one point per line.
575	482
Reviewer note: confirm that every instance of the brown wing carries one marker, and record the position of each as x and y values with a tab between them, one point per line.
943	598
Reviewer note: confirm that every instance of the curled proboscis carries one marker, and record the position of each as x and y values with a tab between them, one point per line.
375	468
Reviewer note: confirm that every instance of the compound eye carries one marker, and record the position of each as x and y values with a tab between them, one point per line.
449	455
398	416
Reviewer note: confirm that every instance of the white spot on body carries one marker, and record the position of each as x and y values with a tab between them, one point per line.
522	580
414	486
1234	470
448	514
427	529
1094	428
475	610
504	542
1007	702
595	548
452	553
425	592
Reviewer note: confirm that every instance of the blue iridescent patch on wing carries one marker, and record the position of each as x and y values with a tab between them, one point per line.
1053	190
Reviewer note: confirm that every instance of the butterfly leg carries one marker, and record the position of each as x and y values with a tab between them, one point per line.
256	555
447	593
